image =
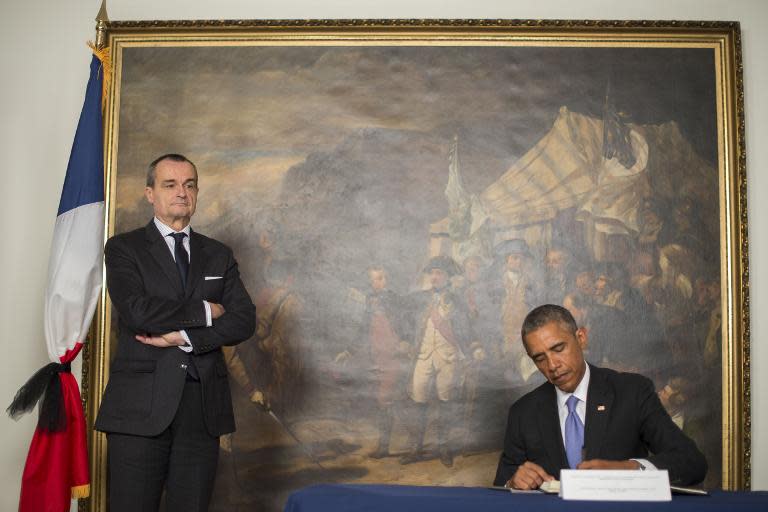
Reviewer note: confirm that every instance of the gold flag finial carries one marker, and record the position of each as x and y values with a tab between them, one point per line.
101	51
102	21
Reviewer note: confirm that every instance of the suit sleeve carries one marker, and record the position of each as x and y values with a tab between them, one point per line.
513	455
237	324
138	310
670	448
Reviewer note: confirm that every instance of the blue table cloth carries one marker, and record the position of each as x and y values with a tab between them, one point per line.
400	498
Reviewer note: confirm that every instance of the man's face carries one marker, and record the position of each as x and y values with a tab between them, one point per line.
558	354
438	278
578	314
601	285
174	195
707	292
378	280
515	262
585	283
472	270
555	260
650	219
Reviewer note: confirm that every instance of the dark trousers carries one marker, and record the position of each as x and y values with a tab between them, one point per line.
182	459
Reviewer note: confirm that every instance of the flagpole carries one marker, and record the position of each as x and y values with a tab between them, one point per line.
98	458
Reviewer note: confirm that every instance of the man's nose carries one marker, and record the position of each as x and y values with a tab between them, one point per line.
553	363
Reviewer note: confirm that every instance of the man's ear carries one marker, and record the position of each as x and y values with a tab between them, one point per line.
525	346
582	337
149	194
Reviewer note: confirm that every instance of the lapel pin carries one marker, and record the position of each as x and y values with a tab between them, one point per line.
600	407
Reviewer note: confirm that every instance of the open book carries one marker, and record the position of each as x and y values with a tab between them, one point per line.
551	487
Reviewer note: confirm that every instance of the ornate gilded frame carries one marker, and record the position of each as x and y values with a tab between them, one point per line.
722	37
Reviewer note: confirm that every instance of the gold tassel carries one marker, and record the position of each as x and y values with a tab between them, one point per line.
106	67
81	491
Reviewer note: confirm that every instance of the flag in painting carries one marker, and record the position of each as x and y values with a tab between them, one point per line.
57	464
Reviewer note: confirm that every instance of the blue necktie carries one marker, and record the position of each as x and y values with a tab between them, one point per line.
574	433
181	256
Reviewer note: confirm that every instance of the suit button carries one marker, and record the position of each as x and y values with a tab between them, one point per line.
183	366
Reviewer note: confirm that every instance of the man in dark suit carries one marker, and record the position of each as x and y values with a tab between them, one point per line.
179	299
586	417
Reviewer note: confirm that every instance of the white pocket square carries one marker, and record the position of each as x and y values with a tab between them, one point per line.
211	278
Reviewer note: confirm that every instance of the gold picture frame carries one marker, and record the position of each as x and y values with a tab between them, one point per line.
705	102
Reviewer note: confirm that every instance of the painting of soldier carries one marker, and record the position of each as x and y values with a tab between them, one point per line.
398	210
279	338
442	337
516	288
558	263
385	351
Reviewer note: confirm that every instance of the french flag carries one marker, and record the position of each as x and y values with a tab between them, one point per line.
57	464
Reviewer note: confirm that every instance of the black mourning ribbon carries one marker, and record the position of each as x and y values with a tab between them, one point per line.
182	257
44	383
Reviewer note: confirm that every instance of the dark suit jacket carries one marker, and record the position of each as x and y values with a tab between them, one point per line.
624	420
145	382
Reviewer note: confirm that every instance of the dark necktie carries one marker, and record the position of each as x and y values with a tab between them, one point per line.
574	433
181	256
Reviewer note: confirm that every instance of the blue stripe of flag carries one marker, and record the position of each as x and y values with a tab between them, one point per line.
84	182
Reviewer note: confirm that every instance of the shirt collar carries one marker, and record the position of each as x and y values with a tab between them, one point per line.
580	391
166	230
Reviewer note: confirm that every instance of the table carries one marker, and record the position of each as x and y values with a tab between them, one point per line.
401	498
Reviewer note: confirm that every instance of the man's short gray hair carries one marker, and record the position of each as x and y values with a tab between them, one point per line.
174	157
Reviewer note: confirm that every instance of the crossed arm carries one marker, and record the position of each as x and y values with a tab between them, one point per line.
175	338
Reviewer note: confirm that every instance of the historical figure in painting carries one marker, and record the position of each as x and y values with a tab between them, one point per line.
384	351
519	290
279	337
442	337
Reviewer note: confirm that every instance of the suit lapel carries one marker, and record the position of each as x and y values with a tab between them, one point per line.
162	255
197	257
549	423
599	407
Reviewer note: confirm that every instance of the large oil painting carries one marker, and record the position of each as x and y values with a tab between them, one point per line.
397	207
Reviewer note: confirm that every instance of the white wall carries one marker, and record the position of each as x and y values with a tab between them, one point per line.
44	65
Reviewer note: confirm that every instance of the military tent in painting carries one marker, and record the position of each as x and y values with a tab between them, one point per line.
603	174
